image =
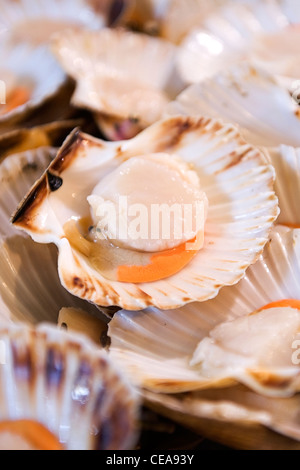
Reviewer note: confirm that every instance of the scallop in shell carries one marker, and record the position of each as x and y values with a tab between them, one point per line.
30	75
119	74
250	97
156	347
237	181
69	386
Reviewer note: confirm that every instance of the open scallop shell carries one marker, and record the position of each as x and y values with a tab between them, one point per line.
156	347
119	74
242	208
256	31
249	97
64	382
36	20
30	290
32	67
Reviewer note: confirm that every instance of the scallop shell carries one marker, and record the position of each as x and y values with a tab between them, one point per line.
256	31
120	74
67	384
155	347
36	20
47	135
170	19
249	97
286	161
27	267
291	10
56	108
236	417
235	176
31	66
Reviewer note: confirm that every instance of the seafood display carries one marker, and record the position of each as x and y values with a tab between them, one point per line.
149	222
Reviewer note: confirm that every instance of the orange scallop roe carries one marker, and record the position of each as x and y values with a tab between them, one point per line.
162	265
292	303
26	435
19	96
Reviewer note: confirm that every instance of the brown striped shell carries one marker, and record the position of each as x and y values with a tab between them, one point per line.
235	176
64	382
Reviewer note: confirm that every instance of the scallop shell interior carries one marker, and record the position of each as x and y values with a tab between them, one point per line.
242	208
67	384
155	347
249	97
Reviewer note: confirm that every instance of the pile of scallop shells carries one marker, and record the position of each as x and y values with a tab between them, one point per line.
102	99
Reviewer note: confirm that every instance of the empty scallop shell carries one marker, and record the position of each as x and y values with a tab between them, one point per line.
119	74
27	267
64	382
155	347
35	21
242	208
249	97
256	31
31	68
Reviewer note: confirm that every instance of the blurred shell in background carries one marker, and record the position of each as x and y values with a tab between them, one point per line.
31	76
35	21
247	96
256	31
286	161
64	382
124	76
171	19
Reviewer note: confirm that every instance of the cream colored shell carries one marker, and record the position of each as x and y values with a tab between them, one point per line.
31	66
235	177
64	382
261	32
247	96
156	347
35	21
119	73
27	267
